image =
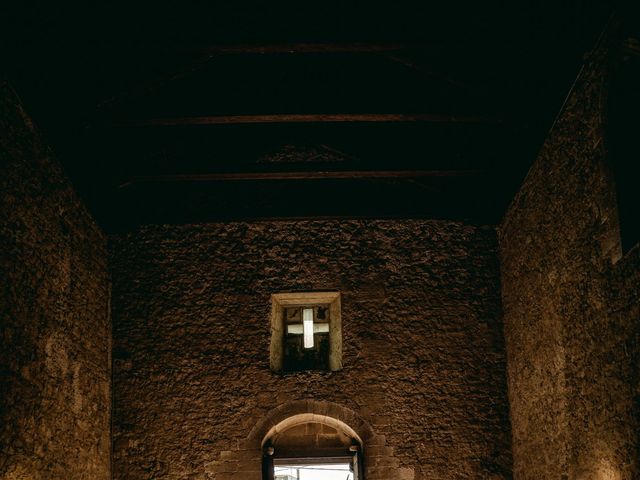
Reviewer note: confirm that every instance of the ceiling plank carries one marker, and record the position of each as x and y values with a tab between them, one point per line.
302	48
308	118
430	71
206	54
312	175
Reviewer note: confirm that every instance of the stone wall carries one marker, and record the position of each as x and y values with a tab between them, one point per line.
571	311
423	381
55	362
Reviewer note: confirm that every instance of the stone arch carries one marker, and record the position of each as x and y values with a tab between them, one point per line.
294	413
244	462
303	418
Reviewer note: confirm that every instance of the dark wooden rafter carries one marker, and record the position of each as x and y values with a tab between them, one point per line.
311	175
309	118
249	49
204	55
389	51
431	72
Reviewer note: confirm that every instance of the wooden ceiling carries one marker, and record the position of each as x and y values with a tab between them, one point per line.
210	111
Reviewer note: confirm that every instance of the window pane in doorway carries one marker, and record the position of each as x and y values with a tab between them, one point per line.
336	471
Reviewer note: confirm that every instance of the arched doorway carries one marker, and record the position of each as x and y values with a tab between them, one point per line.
308	446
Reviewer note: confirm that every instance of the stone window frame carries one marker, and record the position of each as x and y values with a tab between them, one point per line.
280	301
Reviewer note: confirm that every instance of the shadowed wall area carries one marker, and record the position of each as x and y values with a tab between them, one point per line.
55	339
570	302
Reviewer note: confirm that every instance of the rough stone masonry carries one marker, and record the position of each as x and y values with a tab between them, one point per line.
423	345
55	333
571	303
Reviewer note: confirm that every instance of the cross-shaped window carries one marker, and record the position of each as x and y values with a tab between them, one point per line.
306	331
306	342
314	321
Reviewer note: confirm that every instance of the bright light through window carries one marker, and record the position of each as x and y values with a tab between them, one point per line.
338	471
307	327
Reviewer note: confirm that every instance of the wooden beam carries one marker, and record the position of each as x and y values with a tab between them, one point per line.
308	118
208	53
410	64
302	48
312	175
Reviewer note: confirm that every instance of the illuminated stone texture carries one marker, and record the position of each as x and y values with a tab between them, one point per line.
55	345
571	312
423	355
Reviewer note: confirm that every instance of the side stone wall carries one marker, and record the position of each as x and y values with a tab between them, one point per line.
55	364
423	349
570	303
